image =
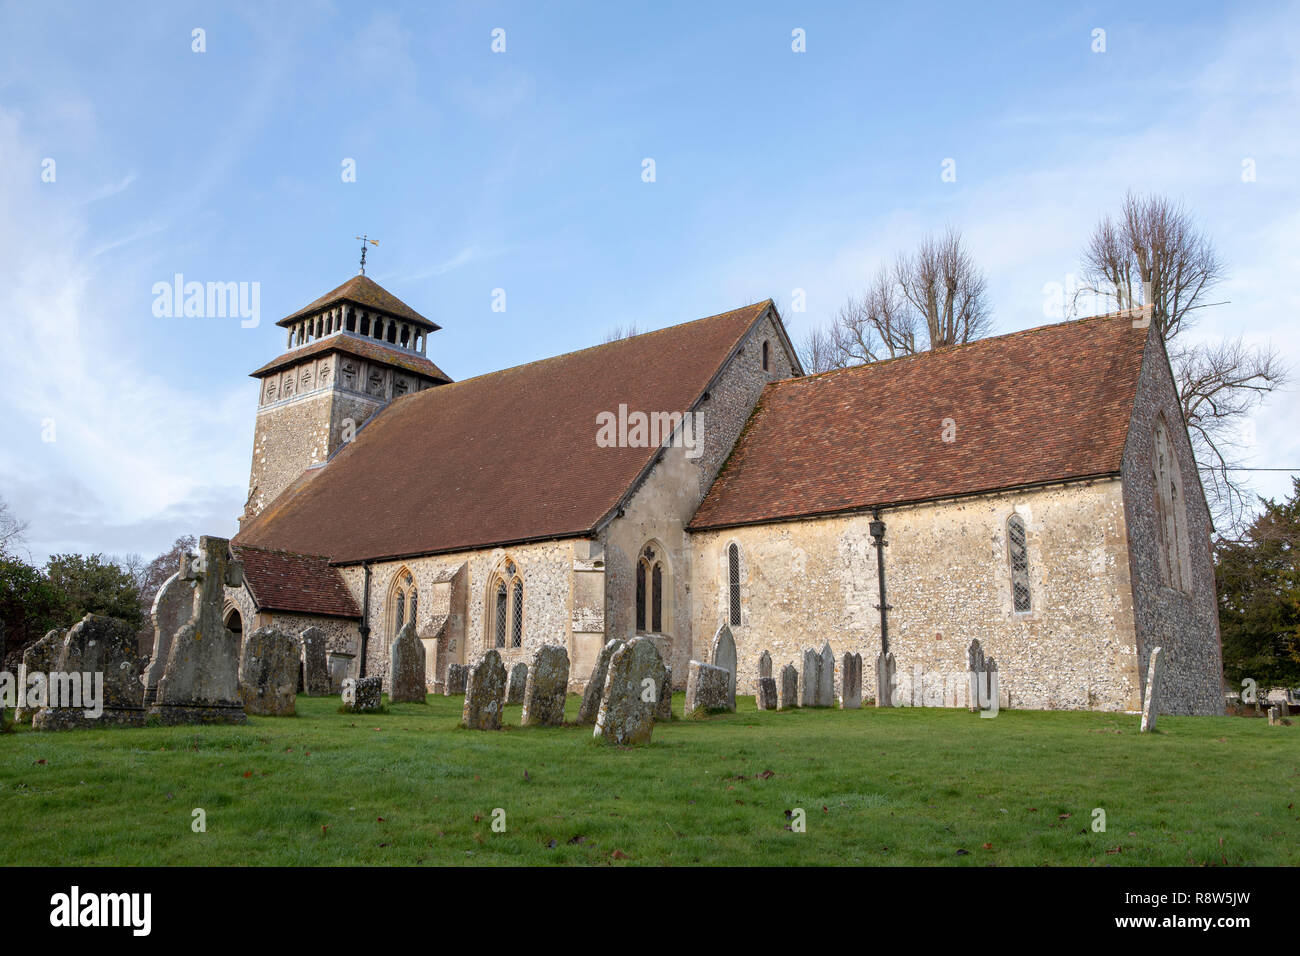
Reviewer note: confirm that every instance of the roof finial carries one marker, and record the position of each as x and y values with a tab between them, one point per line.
364	240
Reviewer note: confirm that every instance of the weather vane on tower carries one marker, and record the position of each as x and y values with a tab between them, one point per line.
364	240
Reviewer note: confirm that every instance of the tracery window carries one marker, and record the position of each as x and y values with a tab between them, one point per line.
650	587
402	601
505	607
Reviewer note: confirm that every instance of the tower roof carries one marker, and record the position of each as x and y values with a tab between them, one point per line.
365	292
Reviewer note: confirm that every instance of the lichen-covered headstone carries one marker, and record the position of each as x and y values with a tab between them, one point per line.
485	693
517	683
664	707
851	682
764	665
102	649
455	685
826	678
788	690
630	700
765	696
316	678
591	695
172	607
363	695
810	678
268	672
1151	705
547	687
38	661
886	674
724	656
708	689
406	672
200	683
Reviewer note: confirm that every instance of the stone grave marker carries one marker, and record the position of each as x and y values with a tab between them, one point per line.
517	683
268	672
406	670
788	691
316	678
485	693
851	682
547	687
1151	704
707	689
97	645
630	700
595	688
41	658
724	656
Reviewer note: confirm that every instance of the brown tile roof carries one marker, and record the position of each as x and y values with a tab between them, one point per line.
356	345
301	583
505	457
369	294
1037	406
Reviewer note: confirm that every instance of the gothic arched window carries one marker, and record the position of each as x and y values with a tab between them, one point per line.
402	598
650	588
733	584
505	606
766	359
1018	557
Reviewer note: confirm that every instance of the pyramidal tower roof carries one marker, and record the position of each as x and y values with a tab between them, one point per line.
366	293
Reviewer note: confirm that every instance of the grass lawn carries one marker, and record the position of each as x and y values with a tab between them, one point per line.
906	786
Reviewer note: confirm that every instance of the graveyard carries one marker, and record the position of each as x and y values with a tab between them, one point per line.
807	786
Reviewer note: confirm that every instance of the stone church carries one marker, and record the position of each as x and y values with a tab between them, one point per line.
1036	492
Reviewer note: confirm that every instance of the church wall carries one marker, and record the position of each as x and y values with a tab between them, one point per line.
947	577
665	502
1185	624
342	638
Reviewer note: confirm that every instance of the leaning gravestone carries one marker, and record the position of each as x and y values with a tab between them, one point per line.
200	684
764	665
485	693
517	683
97	645
316	678
39	659
766	695
455	685
547	687
406	672
595	688
268	673
664	706
707	690
362	695
788	691
851	682
172	607
631	697
810	678
1151	705
724	656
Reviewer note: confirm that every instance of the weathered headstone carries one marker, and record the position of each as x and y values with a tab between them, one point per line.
886	674
851	682
664	708
406	670
39	659
1151	705
268	672
485	693
456	674
707	690
982	678
200	684
810	678
766	695
764	665
547	687
631	697
517	683
595	688
1275	716
724	656
826	678
172	607
106	648
788	691
363	695
316	678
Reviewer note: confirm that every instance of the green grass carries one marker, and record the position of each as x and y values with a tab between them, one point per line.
905	786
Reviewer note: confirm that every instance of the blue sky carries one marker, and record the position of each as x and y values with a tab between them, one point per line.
522	170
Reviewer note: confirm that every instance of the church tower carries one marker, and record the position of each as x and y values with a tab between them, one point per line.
349	354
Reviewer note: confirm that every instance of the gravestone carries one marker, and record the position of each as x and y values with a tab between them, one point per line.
708	690
406	667
631	698
363	695
724	656
316	678
664	708
982	679
1275	716
788	690
595	688
200	684
826	678
97	645
766	696
547	687
810	678
41	658
456	674
268	672
517	683
851	682
485	693
886	674
1151	705
172	607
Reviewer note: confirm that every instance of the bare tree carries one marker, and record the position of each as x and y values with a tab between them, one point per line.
816	351
1156	255
13	532
622	332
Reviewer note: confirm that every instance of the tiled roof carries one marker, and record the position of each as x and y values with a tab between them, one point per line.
505	457
371	349
369	294
301	583
1043	405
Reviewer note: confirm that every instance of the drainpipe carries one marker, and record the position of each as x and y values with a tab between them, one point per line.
365	617
878	532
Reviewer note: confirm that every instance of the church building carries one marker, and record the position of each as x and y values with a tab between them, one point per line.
1034	491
